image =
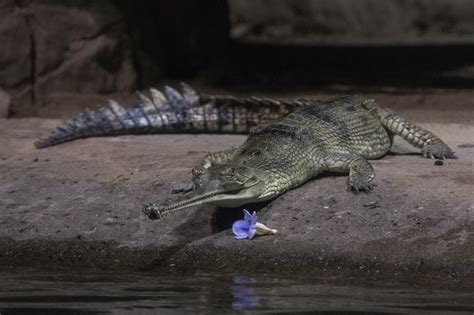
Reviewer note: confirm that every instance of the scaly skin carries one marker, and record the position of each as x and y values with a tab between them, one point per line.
339	135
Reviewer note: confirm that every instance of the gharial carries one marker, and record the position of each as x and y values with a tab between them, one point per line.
290	141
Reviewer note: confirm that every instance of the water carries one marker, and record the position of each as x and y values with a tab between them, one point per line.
145	293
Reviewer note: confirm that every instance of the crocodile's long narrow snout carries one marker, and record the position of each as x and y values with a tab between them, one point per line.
216	190
194	198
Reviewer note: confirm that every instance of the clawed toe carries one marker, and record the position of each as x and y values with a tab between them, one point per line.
152	212
365	186
438	151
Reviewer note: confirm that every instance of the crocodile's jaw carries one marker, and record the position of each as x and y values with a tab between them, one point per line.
245	196
219	197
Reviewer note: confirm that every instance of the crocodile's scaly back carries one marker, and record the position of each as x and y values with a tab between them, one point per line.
172	112
295	147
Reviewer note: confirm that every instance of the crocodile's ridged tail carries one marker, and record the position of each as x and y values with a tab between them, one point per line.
172	112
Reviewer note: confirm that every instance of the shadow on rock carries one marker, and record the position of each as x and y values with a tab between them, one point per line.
197	225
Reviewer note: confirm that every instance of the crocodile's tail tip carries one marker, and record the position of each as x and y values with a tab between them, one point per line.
48	142
60	135
42	144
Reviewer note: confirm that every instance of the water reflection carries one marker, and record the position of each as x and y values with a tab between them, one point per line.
140	293
244	296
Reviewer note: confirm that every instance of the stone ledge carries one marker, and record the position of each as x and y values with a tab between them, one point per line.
78	206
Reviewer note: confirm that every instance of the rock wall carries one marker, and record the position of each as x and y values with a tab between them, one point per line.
4	103
353	22
54	47
50	46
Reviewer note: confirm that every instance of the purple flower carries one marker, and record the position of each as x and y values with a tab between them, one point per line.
245	228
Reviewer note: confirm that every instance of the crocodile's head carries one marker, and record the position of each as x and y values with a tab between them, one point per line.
222	185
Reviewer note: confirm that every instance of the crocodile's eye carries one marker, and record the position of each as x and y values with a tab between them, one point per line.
198	171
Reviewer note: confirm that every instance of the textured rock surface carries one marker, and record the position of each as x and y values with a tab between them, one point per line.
5	100
353	22
78	205
56	46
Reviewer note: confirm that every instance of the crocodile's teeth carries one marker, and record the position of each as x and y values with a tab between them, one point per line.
262	229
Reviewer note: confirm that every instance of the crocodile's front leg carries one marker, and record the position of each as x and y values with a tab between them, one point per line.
360	171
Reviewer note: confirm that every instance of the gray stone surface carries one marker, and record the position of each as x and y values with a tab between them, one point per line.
348	22
79	205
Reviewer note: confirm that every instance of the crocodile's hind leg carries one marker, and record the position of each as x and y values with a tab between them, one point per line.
360	171
431	146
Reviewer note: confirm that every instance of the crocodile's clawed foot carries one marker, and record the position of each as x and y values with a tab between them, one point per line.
152	211
438	151
361	184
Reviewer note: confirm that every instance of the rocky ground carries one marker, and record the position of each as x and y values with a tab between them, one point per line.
78	205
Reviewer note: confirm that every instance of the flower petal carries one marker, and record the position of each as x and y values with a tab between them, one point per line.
241	237
247	216
240	228
251	232
254	219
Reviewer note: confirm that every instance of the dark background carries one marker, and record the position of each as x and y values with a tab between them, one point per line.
52	50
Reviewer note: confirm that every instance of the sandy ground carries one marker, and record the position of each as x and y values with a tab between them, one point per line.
78	205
